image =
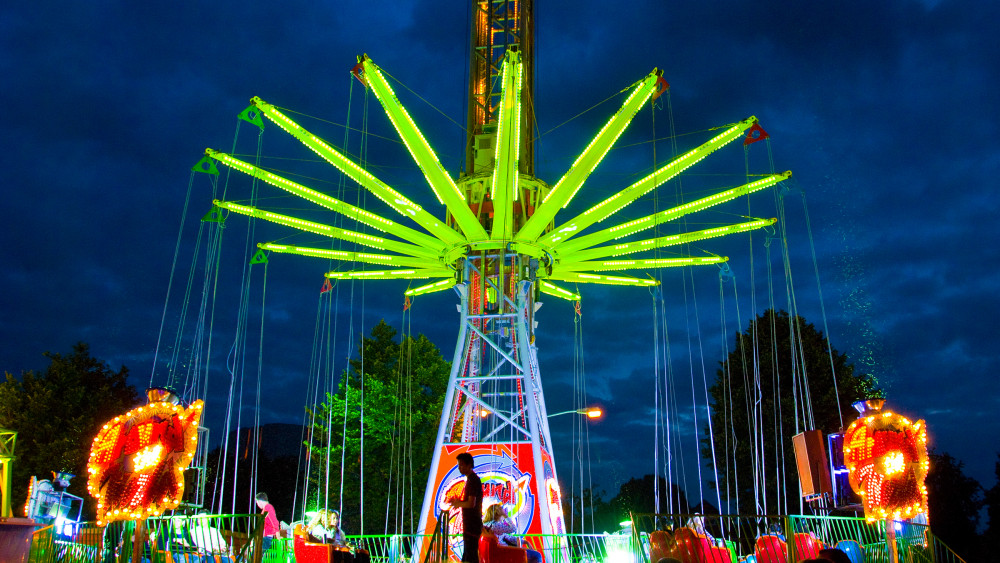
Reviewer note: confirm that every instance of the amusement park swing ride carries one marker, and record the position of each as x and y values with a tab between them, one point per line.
506	238
501	244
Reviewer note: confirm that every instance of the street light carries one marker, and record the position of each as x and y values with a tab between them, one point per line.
589	412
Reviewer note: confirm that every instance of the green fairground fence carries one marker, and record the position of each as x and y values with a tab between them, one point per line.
734	539
232	538
781	539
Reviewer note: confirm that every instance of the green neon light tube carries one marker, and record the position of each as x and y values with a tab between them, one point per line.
326	230
365	257
567	186
662	242
397	201
505	170
411	274
441	184
650	221
431	287
361	215
556	291
616	202
625	264
602	279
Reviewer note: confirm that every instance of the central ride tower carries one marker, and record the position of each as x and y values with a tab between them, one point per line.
495	407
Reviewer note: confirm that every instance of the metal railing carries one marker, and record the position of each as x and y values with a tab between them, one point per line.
231	538
782	539
685	537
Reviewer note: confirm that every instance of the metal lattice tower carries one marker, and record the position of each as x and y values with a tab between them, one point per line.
7	440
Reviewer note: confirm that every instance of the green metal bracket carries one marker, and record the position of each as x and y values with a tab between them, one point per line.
252	115
259	258
214	215
7	440
205	165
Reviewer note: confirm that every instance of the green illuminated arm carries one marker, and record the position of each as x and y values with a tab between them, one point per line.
326	230
588	160
442	184
391	197
651	221
367	258
368	218
431	287
608	265
614	203
413	274
582	277
661	242
505	170
556	291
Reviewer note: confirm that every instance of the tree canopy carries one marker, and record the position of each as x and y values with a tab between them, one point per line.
777	381
954	501
394	391
636	496
57	414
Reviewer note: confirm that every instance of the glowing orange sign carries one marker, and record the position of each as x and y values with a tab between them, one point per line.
886	457
138	459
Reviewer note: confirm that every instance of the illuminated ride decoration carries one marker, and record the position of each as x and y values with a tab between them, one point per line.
49	503
137	460
503	483
886	458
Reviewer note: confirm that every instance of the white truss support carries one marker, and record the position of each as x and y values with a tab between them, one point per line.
457	362
494	407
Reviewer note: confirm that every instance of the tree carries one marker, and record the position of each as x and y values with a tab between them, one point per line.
953	501
635	496
588	513
992	502
770	387
396	392
58	413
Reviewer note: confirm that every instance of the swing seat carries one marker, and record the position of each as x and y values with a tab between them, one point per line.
692	547
806	546
490	551
771	549
308	552
719	554
660	544
853	549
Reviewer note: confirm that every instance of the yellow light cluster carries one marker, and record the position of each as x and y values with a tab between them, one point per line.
147	457
146	447
886	458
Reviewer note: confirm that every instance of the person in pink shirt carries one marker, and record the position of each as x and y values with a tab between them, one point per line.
271	525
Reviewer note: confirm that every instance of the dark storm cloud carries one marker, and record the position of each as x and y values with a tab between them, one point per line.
885	112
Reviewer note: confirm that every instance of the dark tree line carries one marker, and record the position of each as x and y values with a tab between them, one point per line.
790	362
397	389
57	413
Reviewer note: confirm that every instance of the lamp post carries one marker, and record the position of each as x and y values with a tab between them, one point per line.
589	412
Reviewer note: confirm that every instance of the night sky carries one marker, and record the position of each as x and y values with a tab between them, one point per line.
886	113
